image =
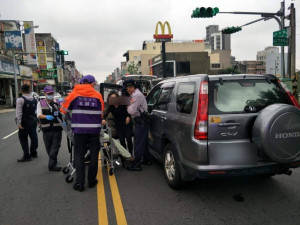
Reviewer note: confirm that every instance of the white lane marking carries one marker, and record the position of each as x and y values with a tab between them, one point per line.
10	134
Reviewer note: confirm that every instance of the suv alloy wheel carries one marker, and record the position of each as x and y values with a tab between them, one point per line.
171	168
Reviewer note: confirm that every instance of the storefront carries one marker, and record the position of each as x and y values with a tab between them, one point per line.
180	63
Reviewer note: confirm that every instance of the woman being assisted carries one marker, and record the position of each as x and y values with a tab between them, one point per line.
122	121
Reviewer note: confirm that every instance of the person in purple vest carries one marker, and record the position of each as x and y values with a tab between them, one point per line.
86	106
47	112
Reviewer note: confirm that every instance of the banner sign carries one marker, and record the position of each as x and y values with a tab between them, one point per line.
42	57
25	71
10	25
60	75
13	40
6	67
30	43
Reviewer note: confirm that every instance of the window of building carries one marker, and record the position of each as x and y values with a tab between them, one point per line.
183	67
215	65
154	47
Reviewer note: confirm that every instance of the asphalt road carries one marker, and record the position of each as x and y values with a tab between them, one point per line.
30	194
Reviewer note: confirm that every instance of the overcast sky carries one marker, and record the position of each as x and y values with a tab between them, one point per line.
98	32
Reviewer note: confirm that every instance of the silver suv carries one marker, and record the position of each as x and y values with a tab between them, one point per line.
223	125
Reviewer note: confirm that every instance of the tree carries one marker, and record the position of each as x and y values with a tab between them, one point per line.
132	68
229	70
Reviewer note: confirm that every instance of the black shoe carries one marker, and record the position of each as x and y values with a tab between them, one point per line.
93	183
34	155
55	168
78	187
24	159
134	168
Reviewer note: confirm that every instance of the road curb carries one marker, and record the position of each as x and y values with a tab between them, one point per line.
6	110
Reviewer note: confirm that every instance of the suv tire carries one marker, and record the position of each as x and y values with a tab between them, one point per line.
276	131
171	168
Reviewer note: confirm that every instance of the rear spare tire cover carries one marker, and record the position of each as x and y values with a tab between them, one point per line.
276	131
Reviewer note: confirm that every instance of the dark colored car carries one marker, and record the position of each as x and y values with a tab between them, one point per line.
223	125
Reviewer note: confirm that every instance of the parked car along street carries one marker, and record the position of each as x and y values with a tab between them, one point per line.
223	125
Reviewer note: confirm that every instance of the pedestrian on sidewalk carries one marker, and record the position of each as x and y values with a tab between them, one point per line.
48	112
86	106
27	122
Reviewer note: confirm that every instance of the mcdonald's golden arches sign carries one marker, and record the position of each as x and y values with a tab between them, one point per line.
163	36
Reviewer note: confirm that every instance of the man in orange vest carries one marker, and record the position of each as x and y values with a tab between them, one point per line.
86	106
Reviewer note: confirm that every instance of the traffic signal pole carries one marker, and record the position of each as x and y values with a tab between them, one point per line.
281	34
280	22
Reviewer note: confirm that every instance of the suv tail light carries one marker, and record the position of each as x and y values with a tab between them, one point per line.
292	98
201	120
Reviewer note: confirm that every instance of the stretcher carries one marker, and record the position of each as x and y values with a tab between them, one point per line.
110	148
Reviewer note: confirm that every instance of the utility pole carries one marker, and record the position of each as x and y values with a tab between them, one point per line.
292	41
292	50
62	59
282	17
163	53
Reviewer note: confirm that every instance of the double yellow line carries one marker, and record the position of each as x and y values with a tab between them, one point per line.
102	210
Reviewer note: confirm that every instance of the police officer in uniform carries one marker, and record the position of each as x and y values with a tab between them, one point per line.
137	106
27	123
86	106
47	112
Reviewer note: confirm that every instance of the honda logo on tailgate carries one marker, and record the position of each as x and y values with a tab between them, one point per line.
287	135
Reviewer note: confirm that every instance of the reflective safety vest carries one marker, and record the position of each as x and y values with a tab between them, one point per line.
28	113
50	109
85	105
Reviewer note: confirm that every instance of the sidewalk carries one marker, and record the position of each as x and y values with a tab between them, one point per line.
6	108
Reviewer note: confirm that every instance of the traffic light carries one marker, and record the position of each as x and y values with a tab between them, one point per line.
231	30
204	13
62	52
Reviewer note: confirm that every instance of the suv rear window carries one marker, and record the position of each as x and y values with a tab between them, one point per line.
244	96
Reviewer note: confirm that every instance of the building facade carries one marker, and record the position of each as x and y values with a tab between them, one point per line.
181	64
24	73
271	59
216	39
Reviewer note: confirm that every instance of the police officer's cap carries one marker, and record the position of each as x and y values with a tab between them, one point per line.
129	83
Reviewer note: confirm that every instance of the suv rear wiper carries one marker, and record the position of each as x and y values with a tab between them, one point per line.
268	80
221	81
